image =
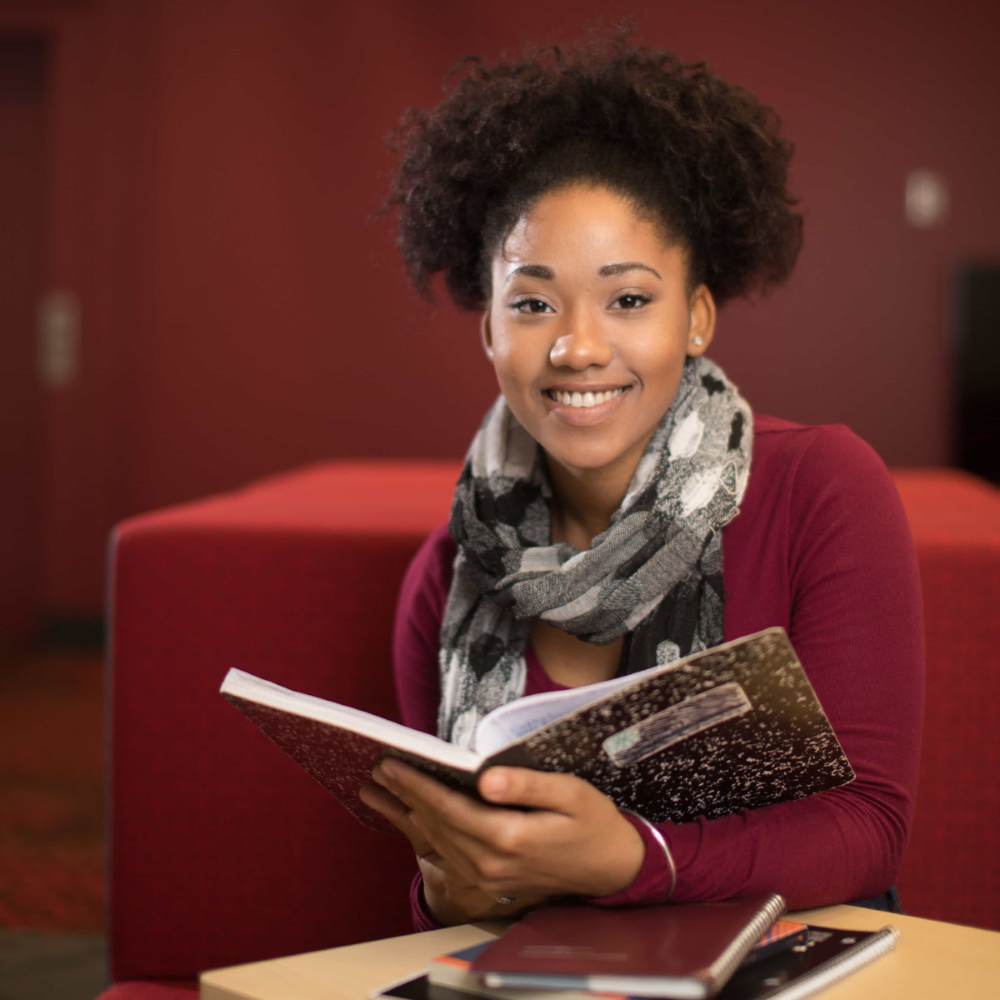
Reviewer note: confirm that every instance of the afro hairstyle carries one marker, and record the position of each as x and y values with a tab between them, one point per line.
699	156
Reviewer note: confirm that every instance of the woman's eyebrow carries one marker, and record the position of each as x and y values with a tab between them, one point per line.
608	271
532	271
613	270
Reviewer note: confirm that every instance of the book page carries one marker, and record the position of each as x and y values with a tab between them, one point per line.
515	720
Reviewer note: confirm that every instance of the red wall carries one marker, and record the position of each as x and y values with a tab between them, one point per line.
215	164
22	126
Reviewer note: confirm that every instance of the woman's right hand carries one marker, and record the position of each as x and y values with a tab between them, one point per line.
449	898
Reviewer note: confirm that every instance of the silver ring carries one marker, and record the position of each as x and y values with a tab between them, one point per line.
505	899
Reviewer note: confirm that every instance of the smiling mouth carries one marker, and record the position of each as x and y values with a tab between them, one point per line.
583	400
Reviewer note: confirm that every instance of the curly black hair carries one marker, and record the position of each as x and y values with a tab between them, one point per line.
701	157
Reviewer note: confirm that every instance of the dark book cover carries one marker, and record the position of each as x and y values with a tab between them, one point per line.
342	760
734	727
685	949
455	968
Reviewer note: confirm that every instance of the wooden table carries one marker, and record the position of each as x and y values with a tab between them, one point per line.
933	960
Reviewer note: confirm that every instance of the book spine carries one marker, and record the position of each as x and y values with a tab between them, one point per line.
741	946
847	962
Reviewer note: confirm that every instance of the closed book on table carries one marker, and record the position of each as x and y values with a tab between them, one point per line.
683	951
454	970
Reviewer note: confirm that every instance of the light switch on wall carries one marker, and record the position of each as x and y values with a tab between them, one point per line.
926	198
58	338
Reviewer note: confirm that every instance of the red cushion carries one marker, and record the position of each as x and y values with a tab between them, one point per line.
949	508
170	989
222	850
952	867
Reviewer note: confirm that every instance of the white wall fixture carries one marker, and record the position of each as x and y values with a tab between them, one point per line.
58	338
926	198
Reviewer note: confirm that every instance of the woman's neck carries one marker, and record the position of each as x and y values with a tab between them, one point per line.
585	500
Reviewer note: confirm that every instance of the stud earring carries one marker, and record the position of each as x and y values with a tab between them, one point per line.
697	341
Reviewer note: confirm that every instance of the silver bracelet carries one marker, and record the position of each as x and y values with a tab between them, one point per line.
661	840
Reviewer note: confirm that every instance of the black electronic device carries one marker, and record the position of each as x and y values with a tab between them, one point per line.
977	370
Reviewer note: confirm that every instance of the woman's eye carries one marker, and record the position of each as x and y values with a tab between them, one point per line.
531	306
630	301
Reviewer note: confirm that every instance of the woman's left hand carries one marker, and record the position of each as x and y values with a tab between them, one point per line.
572	840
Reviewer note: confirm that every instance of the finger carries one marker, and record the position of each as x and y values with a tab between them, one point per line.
382	801
433	840
385	803
438	815
519	786
461	829
476	838
420	791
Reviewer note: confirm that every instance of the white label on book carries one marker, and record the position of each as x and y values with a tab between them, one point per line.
687	717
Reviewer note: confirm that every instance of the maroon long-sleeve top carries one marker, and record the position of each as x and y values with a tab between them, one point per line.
821	546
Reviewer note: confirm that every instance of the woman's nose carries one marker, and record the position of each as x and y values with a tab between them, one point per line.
580	344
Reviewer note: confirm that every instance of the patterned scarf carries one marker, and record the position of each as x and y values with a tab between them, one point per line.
654	576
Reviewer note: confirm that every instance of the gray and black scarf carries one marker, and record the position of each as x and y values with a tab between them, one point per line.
654	576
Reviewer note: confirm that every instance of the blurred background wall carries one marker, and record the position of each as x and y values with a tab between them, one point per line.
188	187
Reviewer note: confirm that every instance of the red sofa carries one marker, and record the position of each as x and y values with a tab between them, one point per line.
223	851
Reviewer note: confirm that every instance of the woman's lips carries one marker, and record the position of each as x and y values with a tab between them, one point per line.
584	415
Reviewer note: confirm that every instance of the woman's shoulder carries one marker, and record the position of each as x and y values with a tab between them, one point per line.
774	433
425	585
437	553
805	479
813	456
820	511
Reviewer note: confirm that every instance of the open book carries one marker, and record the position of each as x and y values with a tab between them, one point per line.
734	727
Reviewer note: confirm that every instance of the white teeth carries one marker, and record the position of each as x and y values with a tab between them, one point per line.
584	399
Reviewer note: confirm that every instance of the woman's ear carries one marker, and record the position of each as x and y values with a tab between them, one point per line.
486	334
701	328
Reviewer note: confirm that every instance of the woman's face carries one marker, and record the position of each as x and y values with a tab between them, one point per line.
589	325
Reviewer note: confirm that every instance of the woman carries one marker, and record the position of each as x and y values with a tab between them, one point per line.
621	505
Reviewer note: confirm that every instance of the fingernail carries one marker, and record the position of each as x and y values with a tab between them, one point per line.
389	769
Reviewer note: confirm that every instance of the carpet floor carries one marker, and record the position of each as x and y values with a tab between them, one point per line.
41	965
51	825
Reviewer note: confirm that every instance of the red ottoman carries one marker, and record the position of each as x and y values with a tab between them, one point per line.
222	851
952	867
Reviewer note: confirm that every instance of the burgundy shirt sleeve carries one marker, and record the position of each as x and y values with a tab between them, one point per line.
416	637
415	659
856	623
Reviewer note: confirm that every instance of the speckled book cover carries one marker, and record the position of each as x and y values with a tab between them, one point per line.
342	760
734	727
